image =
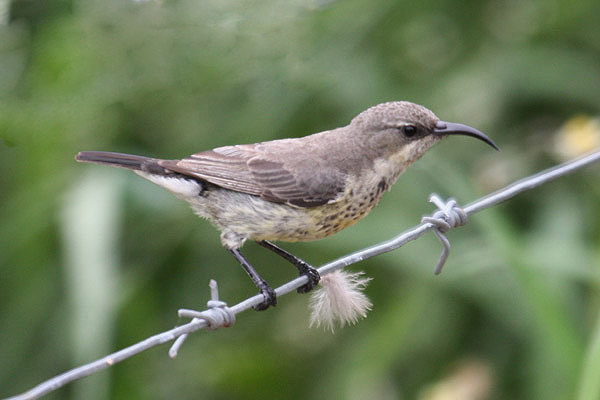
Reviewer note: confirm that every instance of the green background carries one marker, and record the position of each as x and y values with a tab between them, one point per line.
93	259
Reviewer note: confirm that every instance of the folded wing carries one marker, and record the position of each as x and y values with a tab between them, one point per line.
270	173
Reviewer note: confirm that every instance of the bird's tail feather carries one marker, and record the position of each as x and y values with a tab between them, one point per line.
129	161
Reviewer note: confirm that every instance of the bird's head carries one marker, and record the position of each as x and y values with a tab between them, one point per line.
407	128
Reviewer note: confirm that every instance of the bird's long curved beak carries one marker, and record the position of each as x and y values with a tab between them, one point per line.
452	128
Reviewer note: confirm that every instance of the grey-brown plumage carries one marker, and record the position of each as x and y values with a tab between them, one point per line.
297	189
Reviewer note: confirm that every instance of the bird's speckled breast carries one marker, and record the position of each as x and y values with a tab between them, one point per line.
272	221
362	194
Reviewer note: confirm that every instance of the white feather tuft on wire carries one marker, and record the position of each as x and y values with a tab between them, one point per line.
339	299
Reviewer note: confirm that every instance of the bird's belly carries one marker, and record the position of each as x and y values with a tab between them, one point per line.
241	216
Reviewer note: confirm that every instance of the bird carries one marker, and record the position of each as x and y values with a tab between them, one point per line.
296	189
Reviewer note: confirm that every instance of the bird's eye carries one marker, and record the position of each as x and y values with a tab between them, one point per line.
409	130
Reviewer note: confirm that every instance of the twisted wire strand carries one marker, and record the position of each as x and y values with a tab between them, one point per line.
448	216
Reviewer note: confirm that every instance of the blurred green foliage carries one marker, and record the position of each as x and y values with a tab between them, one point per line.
95	259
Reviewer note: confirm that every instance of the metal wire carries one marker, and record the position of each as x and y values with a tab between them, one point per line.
449	214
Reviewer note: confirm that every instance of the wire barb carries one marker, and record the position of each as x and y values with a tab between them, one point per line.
449	216
216	316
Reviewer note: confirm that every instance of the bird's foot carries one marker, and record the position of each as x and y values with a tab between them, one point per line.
303	267
270	298
311	273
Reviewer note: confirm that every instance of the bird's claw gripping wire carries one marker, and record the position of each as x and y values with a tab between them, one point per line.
449	216
217	315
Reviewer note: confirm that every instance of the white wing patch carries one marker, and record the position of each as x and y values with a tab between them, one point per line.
180	187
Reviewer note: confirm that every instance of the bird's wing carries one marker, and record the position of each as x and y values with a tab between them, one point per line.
267	171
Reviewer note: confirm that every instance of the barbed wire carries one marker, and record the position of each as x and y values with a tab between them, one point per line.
218	314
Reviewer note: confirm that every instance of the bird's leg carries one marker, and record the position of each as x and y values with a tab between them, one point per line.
303	267
264	288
